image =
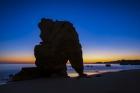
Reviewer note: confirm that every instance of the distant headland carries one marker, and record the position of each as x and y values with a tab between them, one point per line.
122	62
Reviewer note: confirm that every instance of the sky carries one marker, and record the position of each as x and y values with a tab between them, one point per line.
108	29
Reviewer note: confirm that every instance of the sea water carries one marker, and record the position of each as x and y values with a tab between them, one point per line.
7	70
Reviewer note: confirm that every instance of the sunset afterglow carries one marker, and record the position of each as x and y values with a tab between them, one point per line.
108	29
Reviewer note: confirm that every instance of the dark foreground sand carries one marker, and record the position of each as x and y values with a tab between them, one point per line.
115	82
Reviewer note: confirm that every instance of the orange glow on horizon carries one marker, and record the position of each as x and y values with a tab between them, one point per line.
87	58
17	59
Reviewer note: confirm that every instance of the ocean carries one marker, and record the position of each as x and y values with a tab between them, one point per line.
7	70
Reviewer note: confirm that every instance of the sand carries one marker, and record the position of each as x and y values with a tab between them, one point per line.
114	82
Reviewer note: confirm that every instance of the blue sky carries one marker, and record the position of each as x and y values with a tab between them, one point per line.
108	29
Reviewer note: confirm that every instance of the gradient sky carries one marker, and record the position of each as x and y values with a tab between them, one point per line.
108	29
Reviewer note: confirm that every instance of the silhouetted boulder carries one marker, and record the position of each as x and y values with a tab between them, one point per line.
60	43
108	65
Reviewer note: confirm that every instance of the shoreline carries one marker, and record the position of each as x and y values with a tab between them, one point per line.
72	74
126	81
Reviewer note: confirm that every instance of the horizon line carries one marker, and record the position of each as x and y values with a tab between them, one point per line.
32	62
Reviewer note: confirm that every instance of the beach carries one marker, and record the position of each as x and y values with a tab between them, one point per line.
127	81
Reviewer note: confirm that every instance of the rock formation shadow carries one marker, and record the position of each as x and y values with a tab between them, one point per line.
59	43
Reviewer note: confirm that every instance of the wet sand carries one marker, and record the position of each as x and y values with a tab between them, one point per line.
114	82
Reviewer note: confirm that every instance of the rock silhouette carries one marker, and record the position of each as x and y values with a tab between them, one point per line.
59	44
